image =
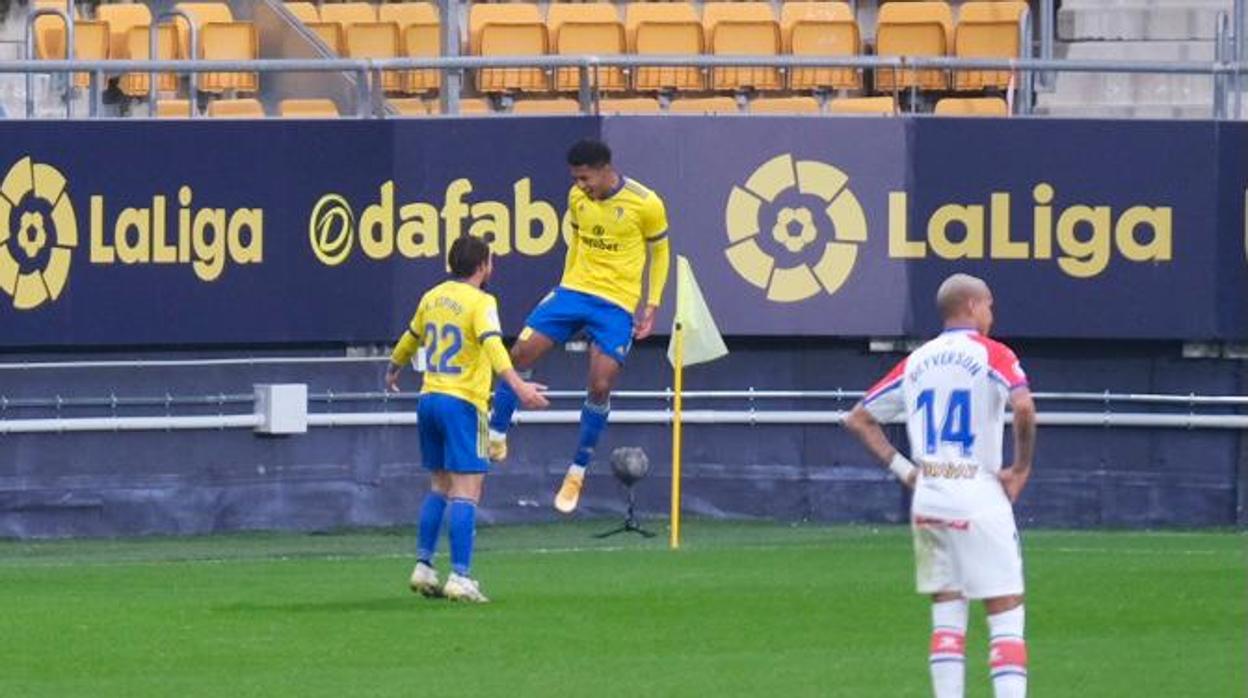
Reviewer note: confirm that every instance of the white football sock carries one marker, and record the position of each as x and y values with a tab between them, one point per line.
1008	657
948	652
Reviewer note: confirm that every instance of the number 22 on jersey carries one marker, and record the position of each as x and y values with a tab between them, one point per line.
442	345
955	424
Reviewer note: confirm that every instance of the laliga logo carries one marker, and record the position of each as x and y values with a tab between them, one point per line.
793	229
38	231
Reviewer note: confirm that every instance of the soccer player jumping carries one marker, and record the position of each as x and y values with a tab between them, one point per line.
456	324
953	391
617	224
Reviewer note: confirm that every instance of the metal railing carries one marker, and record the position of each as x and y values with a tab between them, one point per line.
365	69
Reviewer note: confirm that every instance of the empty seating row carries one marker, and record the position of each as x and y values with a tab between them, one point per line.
919	28
250	109
949	106
363	30
122	31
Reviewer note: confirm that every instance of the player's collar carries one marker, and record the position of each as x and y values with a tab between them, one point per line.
970	330
619	186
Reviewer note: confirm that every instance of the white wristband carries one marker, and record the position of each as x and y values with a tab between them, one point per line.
901	467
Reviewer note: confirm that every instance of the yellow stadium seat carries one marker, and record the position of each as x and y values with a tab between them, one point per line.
705	105
587	28
229	41
665	28
308	109
628	105
138	46
235	109
509	30
987	30
376	40
121	18
348	13
473	106
50	30
305	12
881	106
405	14
972	106
785	105
821	29
560	105
920	28
173	109
91	43
422	40
742	29
203	13
331	34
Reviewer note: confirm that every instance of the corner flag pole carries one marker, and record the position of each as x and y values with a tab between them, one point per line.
677	405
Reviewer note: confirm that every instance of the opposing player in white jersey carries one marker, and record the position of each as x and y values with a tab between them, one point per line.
953	392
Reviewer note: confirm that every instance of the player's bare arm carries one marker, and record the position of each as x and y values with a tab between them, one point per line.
1014	478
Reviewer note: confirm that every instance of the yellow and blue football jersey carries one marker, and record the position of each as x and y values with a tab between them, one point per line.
607	255
451	326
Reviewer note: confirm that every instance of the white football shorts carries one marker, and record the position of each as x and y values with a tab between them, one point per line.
980	557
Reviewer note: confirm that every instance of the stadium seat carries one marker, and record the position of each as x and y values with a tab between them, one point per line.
421	32
987	30
920	28
587	28
742	29
50	30
91	42
376	40
665	28
705	105
305	12
509	30
882	106
972	106
308	109
229	41
629	105
821	29
331	34
235	109
138	46
784	105
348	13
560	105
173	109
121	18
202	13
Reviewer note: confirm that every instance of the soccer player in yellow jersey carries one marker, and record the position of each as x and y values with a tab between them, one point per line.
617	225
456	325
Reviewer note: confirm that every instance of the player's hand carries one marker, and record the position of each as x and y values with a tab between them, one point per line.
530	395
911	480
645	324
392	378
1014	479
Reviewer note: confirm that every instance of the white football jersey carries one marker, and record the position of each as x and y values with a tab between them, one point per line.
953	392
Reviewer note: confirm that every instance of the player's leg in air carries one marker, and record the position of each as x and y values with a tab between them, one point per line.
451	448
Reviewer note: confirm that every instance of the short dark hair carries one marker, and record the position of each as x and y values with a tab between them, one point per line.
467	255
589	152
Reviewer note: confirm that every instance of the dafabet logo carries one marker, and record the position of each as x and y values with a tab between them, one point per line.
795	229
39	234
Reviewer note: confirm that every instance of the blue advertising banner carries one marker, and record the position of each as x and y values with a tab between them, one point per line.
272	232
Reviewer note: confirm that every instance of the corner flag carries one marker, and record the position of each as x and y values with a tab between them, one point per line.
702	341
695	340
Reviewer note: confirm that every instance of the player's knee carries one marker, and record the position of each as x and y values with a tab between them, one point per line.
599	391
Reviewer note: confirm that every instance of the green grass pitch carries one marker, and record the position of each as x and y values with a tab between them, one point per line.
744	609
